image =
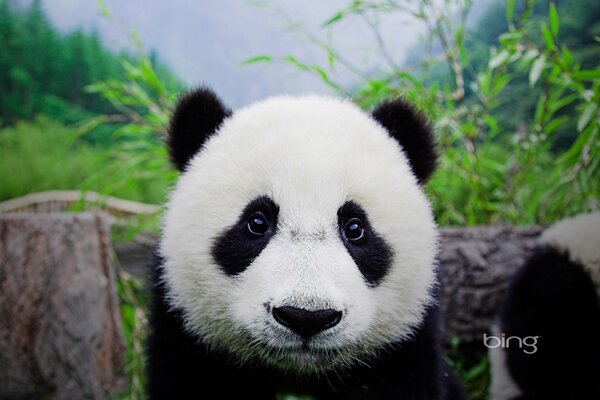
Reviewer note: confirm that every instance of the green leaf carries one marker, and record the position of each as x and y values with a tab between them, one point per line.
510	10
530	54
499	84
555	123
330	58
539	110
567	56
478	370
556	105
510	38
315	69
150	77
498	59
573	153
336	17
536	70
103	8
459	35
553	18
256	59
587	75
586	116
548	38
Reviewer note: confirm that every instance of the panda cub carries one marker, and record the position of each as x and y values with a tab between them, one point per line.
551	318
298	255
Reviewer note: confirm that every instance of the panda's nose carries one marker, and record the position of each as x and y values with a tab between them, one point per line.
304	322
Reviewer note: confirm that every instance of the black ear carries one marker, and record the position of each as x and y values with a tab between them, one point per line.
198	114
414	133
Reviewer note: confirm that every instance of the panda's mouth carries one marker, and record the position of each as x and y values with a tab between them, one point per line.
283	349
299	345
304	355
308	357
314	348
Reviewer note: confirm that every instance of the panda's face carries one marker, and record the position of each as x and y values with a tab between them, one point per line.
298	236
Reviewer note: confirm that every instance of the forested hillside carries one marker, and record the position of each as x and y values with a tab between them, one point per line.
45	72
55	132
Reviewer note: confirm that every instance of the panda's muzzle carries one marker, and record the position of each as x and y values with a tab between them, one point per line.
304	322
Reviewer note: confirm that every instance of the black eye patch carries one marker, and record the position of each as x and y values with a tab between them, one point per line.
236	248
369	251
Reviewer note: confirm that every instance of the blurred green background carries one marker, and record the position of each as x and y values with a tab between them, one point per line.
514	94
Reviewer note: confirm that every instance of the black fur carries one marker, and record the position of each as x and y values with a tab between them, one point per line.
371	254
414	133
236	248
183	367
198	114
554	298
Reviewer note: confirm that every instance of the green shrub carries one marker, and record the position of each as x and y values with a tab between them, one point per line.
45	155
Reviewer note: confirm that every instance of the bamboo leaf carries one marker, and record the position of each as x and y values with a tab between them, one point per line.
587	75
555	123
256	59
586	116
530	54
553	18
510	10
567	56
548	38
103	8
498	59
335	18
536	70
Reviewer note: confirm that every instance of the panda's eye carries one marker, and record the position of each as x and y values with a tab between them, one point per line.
353	230
258	224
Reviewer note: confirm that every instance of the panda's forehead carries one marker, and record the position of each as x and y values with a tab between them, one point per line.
309	145
308	154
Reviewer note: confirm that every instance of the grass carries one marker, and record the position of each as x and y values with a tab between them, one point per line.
44	155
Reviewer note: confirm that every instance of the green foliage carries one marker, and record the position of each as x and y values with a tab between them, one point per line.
517	115
133	297
143	104
45	155
118	107
35	158
474	372
42	71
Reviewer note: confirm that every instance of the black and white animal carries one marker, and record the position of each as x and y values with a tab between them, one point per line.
298	255
550	322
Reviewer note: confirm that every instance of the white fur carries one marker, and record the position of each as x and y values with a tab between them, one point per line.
502	386
579	237
310	155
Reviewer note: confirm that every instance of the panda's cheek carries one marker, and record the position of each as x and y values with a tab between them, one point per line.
360	316
247	298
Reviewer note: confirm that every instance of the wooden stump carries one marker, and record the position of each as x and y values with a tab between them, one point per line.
60	332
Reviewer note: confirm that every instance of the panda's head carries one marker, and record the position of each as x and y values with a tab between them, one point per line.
298	234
